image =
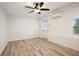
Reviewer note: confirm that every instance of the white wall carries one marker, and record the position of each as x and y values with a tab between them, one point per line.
22	28
3	30
61	31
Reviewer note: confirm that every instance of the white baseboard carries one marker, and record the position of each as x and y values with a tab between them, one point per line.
65	40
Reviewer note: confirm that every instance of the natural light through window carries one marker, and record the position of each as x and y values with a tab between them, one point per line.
45	25
76	26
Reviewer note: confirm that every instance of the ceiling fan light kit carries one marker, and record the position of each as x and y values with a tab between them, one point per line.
38	10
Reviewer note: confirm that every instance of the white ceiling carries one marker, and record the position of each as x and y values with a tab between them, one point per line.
18	9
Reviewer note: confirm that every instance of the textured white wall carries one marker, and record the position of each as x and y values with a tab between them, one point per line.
22	28
3	30
61	30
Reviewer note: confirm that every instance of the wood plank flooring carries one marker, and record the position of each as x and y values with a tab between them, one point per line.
37	47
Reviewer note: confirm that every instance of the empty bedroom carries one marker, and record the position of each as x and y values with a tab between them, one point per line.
39	28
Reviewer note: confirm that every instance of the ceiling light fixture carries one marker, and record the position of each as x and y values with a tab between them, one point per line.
37	10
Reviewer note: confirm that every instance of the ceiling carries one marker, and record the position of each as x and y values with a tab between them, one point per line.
18	9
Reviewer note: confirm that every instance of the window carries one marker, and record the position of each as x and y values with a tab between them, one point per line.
76	26
45	25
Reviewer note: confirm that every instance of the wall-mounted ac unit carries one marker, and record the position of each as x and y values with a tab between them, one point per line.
57	15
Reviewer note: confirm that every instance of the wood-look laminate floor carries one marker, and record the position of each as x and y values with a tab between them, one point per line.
37	47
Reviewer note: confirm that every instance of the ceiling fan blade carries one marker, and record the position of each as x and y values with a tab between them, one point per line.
44	9
29	7
36	5
31	11
41	4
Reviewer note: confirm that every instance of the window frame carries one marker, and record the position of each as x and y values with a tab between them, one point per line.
45	25
76	26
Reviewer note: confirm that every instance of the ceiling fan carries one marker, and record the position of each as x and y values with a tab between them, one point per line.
37	8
